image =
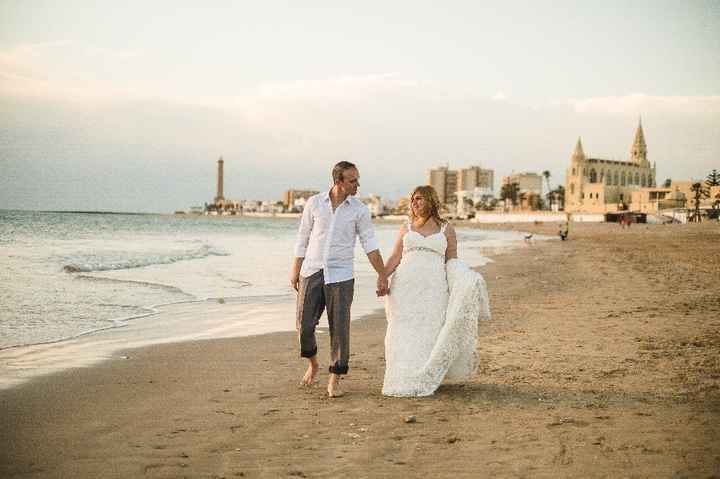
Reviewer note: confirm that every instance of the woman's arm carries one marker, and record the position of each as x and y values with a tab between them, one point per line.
394	260
451	252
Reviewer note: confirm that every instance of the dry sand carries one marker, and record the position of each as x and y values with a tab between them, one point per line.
602	360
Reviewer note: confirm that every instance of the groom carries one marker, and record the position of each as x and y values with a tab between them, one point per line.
322	271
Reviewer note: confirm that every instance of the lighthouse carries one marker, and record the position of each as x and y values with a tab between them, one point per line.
219	198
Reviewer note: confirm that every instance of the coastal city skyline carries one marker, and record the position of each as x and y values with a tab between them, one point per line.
593	185
96	119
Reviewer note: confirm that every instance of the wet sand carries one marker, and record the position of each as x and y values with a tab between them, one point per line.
602	360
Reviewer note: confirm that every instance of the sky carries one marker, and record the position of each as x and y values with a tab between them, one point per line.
126	106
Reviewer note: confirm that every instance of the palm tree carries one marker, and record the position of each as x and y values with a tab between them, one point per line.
505	192
667	183
546	175
713	179
698	194
523	197
468	206
558	195
509	191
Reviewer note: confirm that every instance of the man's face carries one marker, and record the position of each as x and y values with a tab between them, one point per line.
350	181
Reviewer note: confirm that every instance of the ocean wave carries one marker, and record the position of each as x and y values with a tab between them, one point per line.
258	299
109	264
164	287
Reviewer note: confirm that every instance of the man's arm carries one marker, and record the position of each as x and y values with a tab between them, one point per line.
377	263
303	238
370	245
295	273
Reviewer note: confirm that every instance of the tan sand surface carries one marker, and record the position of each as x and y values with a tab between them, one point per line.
602	360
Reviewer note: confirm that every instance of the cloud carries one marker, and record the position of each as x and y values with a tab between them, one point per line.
68	71
111	54
61	70
319	106
346	86
641	104
28	86
383	117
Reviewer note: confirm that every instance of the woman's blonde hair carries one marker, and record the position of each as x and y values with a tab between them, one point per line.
432	203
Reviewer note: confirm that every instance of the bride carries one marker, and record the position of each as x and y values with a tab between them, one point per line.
433	305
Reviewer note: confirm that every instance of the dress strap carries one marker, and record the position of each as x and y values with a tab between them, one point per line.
443	226
409	225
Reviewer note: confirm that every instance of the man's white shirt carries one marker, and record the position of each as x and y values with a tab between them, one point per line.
326	239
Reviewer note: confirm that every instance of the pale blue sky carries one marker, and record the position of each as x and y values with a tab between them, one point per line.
125	106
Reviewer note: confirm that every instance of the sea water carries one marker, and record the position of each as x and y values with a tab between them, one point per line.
76	286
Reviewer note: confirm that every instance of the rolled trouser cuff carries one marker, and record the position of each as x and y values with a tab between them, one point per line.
338	368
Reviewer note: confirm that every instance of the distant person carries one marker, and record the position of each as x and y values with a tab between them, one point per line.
322	271
433	304
564	230
625	220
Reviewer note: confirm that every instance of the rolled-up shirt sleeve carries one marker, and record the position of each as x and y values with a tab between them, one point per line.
303	235
366	232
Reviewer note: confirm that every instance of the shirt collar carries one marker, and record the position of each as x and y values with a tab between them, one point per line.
326	197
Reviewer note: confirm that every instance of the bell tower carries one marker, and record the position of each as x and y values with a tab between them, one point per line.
638	152
574	178
578	155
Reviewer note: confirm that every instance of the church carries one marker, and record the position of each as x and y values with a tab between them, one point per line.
594	185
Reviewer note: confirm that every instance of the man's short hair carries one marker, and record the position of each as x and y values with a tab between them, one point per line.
340	168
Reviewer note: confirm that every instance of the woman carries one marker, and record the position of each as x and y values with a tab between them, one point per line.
433	304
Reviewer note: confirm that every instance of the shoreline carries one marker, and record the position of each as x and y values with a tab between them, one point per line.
571	384
22	362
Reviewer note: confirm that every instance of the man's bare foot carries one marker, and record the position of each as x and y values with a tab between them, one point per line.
333	388
310	376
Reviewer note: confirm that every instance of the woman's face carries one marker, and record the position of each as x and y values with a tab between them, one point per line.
419	205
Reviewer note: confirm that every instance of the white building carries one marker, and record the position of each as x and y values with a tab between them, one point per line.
374	204
251	206
299	204
527	182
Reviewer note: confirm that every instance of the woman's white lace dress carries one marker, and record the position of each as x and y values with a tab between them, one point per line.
432	312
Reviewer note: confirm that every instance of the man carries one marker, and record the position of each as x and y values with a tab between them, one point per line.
322	271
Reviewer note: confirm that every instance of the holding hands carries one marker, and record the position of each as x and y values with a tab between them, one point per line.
382	285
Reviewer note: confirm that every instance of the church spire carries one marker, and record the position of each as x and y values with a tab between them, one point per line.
578	154
638	152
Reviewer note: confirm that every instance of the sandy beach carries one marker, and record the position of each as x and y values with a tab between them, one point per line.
602	360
